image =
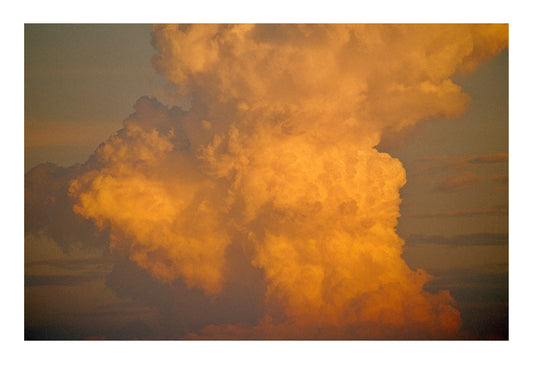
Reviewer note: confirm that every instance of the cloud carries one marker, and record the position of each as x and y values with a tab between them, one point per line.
459	181
475	239
48	209
493	158
156	203
66	271
501	178
478	290
467	161
131	330
183	310
470	286
76	264
499	211
465	179
140	198
463	167
271	176
60	280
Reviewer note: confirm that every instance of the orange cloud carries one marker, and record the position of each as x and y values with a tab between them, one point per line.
157	206
278	147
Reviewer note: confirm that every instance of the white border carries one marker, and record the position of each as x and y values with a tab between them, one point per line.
267	358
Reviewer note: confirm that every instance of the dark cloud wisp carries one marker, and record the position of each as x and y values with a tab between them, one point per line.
474	239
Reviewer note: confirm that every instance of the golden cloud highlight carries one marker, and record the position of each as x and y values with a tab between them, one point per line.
279	147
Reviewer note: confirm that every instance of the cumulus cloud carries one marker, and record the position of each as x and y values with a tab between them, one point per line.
48	209
157	204
275	156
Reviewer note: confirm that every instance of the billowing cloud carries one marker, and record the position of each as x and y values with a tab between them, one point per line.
159	207
275	154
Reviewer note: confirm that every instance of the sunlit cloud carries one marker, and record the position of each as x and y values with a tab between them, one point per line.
278	148
267	182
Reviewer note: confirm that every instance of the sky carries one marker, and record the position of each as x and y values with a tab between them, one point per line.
80	81
266	182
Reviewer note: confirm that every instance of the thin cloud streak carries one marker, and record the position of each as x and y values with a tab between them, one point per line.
474	239
462	161
432	164
459	181
77	264
61	280
463	213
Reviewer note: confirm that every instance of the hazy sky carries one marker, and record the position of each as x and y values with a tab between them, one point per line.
274	191
80	82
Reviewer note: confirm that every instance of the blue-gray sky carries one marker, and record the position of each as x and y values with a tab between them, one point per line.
80	82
